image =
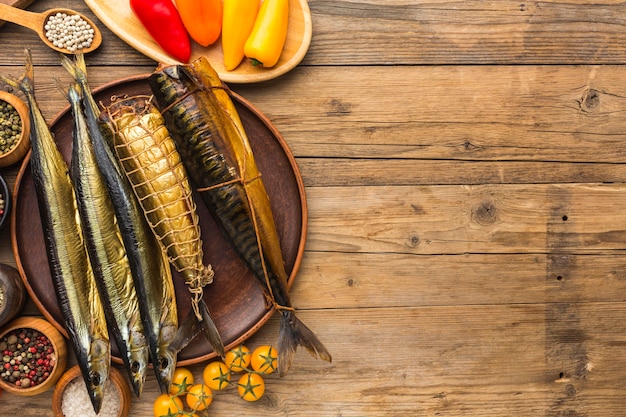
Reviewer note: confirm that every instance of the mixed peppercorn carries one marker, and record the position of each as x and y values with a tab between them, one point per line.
10	127
28	358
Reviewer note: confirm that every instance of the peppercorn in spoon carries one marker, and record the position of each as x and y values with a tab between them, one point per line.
81	33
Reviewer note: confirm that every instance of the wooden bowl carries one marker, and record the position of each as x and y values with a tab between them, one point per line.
23	145
58	344
73	375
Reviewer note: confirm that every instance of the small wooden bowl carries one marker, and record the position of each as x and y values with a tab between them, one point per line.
23	145
73	374
58	344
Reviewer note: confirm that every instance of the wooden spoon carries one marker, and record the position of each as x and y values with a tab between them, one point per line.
37	21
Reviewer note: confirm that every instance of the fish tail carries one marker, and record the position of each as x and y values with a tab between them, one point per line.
210	330
26	82
294	333
191	326
77	67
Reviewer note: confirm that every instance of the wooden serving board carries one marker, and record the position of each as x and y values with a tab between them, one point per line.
120	19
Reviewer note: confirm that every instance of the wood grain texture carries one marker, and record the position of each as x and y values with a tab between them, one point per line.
464	167
118	16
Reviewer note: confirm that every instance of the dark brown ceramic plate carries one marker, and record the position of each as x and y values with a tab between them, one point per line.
235	298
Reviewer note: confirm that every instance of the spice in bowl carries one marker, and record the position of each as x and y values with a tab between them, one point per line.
71	399
10	127
14	129
32	356
27	358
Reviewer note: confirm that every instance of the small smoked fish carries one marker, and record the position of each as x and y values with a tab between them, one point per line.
209	135
150	269
106	249
72	274
148	156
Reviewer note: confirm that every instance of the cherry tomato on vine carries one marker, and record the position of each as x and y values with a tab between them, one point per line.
264	359
216	375
251	386
237	358
181	381
166	405
199	397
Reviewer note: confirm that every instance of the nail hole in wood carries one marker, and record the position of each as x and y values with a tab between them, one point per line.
564	217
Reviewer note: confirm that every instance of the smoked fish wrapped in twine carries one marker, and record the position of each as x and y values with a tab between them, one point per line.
148	156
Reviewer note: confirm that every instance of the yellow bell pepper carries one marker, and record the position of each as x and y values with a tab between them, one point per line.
202	19
237	22
267	40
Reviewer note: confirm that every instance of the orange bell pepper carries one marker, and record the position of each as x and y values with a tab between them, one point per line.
267	40
237	22
202	19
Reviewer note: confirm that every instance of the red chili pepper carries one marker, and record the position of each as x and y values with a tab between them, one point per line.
163	23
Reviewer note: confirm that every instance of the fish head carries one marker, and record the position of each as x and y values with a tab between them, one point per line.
138	361
98	366
167	357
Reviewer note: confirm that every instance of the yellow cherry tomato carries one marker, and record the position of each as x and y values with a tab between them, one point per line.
216	375
264	359
181	381
199	397
237	358
166	405
251	386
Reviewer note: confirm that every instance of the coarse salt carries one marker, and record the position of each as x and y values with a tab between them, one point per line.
76	401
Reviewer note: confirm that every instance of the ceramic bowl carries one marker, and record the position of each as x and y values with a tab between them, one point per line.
59	351
12	293
23	145
120	390
5	205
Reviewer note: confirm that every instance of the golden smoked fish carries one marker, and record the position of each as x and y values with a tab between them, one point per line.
71	271
148	156
150	268
216	151
106	249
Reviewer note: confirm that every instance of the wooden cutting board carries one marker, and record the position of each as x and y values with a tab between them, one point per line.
20	4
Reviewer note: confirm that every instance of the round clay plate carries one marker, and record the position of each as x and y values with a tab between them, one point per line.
235	298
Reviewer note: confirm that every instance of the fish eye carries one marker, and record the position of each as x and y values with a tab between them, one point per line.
95	379
134	366
163	362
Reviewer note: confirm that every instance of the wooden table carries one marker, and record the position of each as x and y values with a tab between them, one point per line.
464	164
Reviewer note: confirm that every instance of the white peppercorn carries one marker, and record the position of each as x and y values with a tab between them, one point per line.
70	32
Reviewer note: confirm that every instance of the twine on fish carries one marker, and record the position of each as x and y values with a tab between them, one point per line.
196	274
195	286
244	181
202	87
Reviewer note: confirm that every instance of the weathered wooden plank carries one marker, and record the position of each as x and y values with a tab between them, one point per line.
503	113
510	360
466	32
431	33
568	218
450	113
344	172
360	280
